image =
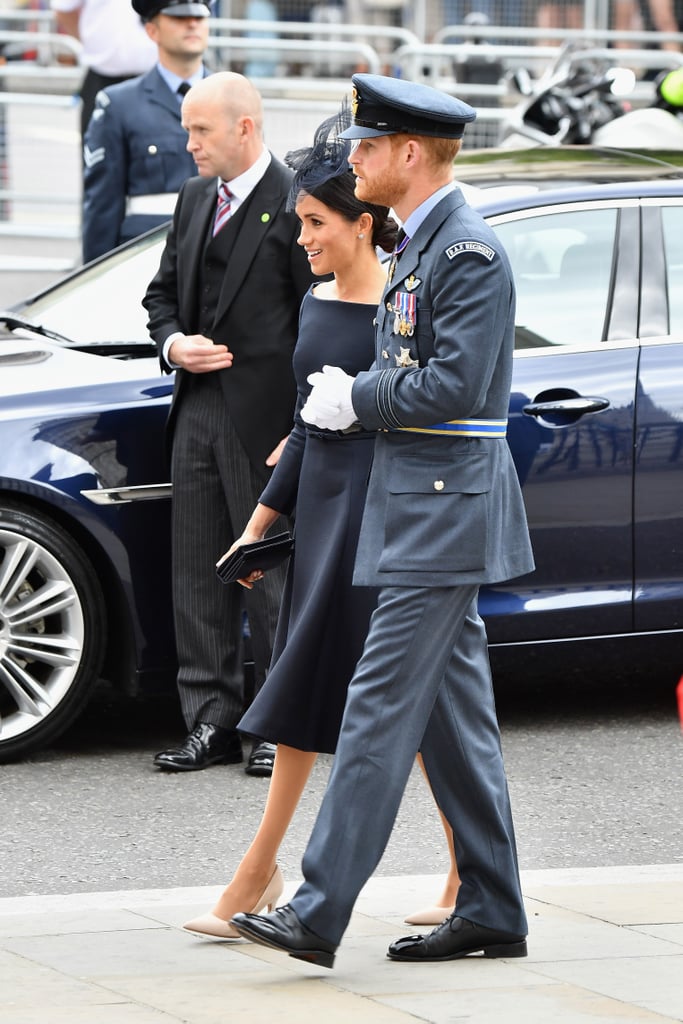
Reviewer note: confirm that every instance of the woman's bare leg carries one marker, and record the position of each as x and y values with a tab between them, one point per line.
450	891
291	771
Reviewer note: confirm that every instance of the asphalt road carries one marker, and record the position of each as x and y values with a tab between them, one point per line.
595	773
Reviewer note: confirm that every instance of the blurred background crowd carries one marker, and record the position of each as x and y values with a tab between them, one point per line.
300	54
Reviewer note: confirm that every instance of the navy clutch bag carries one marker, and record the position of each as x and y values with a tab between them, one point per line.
262	554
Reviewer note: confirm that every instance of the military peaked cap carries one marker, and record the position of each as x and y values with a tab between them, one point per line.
148	9
387	106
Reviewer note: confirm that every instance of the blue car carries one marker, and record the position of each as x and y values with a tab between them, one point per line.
596	428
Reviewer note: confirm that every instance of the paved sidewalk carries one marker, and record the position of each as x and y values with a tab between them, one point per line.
605	945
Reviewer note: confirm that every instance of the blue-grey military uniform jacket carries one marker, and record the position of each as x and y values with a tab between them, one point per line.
134	148
442	509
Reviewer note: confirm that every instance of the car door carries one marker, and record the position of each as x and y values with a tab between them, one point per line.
658	484
572	419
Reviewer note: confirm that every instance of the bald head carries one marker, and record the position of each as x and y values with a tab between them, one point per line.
223	116
232	92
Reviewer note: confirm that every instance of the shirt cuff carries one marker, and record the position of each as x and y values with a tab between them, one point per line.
166	348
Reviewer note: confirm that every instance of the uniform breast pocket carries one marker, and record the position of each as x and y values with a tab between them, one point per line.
160	163
436	514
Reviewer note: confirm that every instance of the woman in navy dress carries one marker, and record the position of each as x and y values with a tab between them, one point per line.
319	480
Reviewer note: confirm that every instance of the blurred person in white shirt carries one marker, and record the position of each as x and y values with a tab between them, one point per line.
115	45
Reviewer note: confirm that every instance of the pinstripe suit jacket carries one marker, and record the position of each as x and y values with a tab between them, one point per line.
258	309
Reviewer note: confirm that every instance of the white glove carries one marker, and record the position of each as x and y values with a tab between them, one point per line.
329	403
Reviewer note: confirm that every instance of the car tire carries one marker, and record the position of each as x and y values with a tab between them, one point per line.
52	630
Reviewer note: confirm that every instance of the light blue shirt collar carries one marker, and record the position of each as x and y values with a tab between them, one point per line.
173	81
421	212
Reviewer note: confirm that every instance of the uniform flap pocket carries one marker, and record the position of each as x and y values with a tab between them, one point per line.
465	473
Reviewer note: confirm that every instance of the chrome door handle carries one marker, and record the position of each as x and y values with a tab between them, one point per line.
576	406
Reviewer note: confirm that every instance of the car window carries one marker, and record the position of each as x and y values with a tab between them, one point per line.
672	220
562	265
103	303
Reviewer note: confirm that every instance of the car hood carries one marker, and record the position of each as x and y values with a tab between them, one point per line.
31	366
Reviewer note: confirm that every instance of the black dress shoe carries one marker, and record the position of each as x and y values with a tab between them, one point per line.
284	931
205	745
261	759
456	938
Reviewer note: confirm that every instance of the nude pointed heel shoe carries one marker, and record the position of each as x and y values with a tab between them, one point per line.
430	915
217	928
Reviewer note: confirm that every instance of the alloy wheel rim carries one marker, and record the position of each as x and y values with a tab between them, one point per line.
42	632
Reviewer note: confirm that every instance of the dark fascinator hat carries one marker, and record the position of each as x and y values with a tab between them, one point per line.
327	158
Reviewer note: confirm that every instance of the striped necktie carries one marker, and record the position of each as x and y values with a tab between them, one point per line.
225	198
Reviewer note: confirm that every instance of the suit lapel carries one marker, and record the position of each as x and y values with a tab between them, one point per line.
158	92
194	236
411	256
261	210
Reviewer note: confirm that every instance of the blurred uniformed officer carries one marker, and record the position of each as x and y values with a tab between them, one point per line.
135	156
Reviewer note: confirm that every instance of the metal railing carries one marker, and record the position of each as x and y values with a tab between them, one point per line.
310	50
513	47
309	29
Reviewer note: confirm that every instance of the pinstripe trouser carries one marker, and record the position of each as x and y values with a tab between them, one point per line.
215	489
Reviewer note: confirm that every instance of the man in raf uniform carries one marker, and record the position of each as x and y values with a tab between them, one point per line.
443	515
135	157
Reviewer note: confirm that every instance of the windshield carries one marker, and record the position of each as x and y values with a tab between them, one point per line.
103	302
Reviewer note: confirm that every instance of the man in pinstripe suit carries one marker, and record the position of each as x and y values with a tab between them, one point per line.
223	310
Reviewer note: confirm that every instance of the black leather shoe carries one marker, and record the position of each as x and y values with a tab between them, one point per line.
456	938
284	931
261	759
205	745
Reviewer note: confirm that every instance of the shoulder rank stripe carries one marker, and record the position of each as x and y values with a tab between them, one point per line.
463	428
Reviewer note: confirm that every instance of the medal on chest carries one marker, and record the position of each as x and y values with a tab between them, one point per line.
405	314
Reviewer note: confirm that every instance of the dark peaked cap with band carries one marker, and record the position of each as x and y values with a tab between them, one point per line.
389	106
148	9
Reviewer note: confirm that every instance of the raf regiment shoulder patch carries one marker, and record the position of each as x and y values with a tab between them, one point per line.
471	246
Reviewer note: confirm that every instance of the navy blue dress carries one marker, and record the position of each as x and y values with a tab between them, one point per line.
321	480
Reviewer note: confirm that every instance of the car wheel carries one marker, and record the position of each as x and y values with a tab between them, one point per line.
52	630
